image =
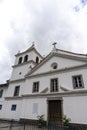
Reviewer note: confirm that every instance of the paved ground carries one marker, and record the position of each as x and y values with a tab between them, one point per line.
7	126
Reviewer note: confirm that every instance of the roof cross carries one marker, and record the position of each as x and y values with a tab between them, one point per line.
54	44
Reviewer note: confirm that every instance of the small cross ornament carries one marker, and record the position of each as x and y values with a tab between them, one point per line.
54	44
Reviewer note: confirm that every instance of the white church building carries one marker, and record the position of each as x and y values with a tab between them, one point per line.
53	86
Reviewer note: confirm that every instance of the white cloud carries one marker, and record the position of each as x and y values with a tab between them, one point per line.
42	21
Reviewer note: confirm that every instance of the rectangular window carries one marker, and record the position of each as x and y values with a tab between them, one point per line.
0	106
77	81
35	87
13	107
54	85
1	93
16	91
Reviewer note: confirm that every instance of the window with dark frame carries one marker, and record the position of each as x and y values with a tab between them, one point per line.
54	85
16	91
13	107
1	93
0	106
37	60
26	58
20	60
77	81
35	87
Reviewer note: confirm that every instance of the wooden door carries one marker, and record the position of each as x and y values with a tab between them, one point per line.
55	111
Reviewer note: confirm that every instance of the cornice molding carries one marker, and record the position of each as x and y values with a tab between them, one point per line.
73	57
18	80
50	95
57	94
64	70
32	48
13	98
59	55
72	53
24	63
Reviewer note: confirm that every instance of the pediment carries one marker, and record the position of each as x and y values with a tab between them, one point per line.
55	62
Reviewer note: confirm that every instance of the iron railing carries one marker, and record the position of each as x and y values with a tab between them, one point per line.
29	126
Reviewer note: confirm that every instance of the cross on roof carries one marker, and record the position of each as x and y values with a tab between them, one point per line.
54	44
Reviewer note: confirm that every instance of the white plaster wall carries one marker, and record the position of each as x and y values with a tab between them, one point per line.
73	107
4	93
27	108
1	111
23	69
76	109
62	63
2	100
6	112
34	56
24	109
64	80
44	82
31	56
70	103
11	88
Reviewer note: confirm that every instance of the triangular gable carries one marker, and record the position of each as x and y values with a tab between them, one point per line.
63	61
32	48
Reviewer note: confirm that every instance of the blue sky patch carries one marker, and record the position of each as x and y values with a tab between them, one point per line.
76	8
83	2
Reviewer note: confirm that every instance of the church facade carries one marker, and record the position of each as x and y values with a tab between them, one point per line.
53	86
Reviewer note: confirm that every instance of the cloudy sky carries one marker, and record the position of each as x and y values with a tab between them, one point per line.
41	21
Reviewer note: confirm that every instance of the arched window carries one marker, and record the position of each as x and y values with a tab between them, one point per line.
37	60
26	58
20	60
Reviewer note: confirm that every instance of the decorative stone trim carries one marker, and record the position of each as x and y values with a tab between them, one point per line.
59	55
57	94
64	89
29	50
18	80
13	98
58	71
51	95
24	63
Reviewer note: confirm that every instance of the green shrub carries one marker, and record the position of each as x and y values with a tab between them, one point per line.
66	120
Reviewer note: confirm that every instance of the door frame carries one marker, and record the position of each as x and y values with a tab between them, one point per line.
51	99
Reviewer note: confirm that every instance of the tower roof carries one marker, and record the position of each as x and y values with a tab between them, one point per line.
32	47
